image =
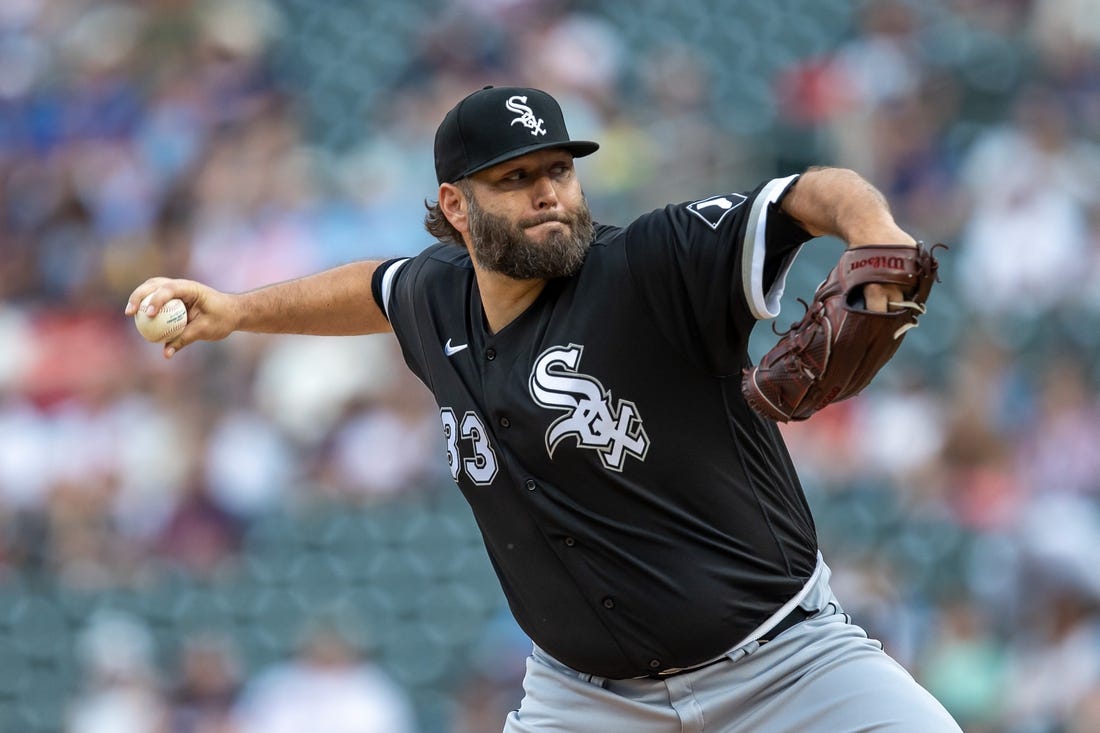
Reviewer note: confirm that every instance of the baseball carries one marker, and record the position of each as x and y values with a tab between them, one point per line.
168	323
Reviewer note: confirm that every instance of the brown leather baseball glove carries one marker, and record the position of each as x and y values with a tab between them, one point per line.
838	346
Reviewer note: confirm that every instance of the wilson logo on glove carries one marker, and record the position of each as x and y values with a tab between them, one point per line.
889	263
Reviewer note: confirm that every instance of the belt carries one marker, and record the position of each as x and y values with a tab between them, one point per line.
796	616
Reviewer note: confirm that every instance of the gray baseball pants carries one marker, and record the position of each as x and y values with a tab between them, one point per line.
820	676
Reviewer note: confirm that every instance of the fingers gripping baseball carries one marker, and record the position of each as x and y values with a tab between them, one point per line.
209	312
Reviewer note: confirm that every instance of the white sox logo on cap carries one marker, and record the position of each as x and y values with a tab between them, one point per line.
517	104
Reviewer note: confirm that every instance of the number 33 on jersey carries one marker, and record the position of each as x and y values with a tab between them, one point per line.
481	467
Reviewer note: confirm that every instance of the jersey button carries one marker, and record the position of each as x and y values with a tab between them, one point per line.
490	354
609	602
654	663
505	422
569	542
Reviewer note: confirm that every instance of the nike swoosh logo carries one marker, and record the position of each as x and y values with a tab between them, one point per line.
452	350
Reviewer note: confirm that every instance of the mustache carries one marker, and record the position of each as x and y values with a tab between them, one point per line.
535	221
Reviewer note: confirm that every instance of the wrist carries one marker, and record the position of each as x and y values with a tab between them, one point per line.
238	312
891	234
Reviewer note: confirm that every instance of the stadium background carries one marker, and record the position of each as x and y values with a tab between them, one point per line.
189	545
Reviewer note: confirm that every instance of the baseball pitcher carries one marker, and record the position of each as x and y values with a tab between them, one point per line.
603	419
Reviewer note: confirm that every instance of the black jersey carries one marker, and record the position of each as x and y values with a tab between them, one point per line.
638	514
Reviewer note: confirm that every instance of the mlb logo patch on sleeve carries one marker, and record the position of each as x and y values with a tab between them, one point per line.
714	209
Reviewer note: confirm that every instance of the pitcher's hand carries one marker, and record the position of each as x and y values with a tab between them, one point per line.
211	314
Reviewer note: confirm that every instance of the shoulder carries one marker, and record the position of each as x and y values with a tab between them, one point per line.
447	255
606	236
439	261
438	270
443	258
610	236
657	228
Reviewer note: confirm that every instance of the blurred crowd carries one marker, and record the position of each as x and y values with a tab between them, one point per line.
241	142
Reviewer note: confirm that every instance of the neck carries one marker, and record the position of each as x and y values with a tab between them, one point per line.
503	298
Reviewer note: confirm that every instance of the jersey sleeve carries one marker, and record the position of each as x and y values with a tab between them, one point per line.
381	286
393	286
711	268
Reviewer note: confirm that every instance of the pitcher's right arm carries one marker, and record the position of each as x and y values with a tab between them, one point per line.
334	302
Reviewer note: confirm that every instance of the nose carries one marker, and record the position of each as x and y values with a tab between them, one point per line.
544	194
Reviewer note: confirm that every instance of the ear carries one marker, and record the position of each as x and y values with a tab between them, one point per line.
452	202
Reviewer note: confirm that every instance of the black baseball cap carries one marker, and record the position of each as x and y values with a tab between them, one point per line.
496	124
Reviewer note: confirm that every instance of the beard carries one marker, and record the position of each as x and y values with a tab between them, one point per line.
505	247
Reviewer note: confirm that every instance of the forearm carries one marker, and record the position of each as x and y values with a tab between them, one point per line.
840	203
336	302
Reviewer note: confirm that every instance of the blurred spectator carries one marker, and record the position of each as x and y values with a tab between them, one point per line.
879	67
306	384
1059	540
122	689
965	668
327	688
1058	449
249	463
903	456
199	536
1086	713
674	143
1054	665
209	678
385	447
492	686
1030	183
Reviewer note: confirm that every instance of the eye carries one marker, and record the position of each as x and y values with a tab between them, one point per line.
560	170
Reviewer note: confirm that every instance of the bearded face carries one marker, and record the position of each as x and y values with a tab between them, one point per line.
504	246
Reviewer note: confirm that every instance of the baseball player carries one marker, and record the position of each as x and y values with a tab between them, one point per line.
646	525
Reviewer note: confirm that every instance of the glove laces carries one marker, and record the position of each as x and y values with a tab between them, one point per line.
908	305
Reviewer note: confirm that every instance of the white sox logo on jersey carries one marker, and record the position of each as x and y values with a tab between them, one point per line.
526	115
615	430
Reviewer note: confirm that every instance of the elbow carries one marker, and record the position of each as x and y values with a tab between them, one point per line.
836	202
